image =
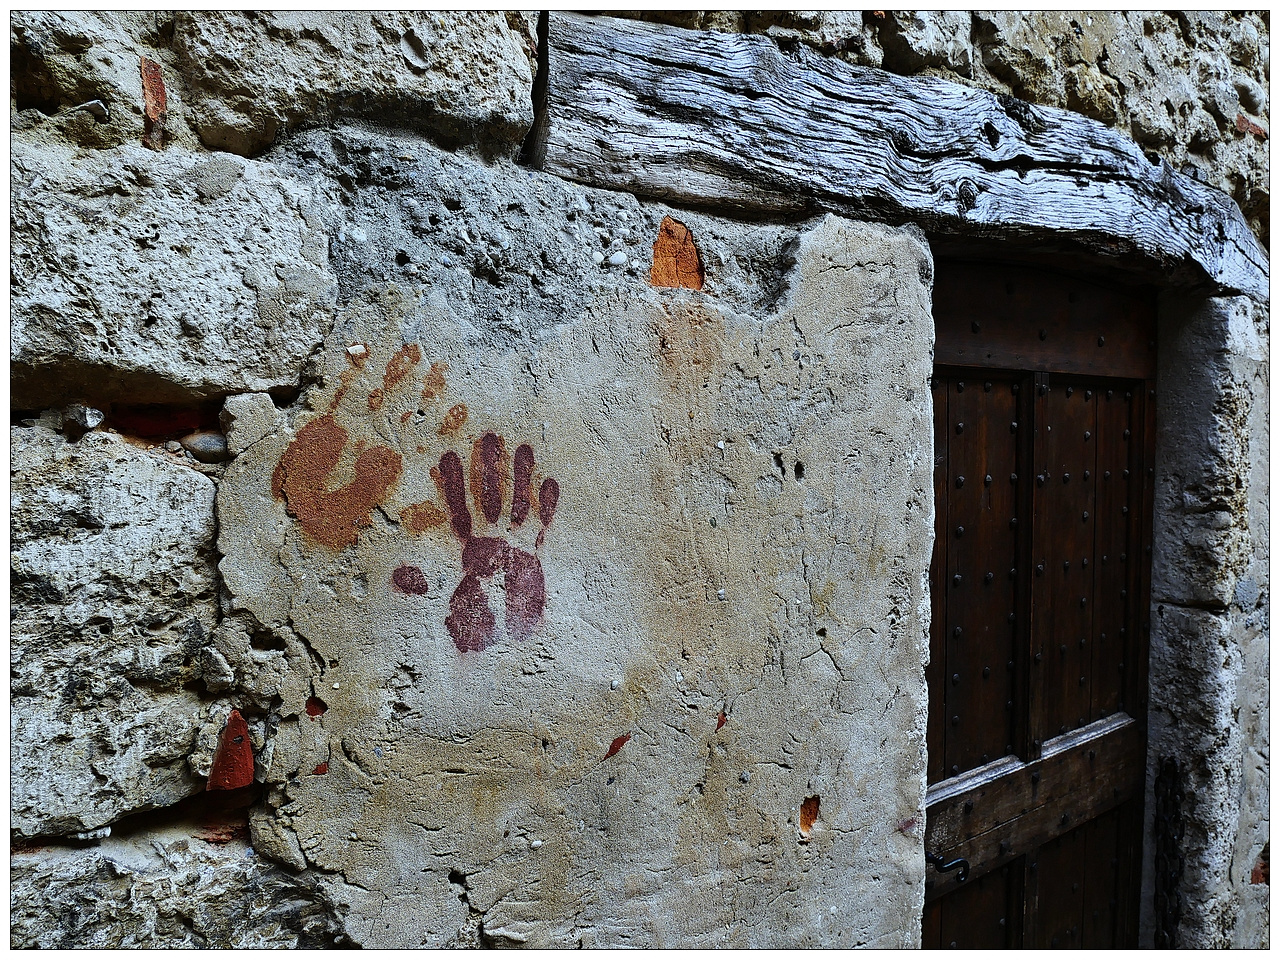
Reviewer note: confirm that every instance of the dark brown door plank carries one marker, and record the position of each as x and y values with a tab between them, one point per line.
981	573
1059	876
931	932
1025	319
936	672
1003	811
984	914
1101	880
1063	548
1117	511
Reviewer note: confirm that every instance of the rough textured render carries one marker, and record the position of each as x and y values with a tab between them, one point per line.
600	604
141	277
114	592
462	76
1210	595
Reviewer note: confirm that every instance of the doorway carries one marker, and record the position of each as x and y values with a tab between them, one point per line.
1040	584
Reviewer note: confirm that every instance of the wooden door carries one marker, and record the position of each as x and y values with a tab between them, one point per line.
1043	396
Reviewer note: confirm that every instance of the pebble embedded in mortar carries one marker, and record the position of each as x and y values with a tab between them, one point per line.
233	762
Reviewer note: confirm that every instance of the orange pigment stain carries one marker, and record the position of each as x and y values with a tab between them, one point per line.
676	261
618	744
356	362
398	367
332	518
453	420
420	517
433	382
233	761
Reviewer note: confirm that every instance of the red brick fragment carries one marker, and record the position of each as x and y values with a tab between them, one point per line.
1245	125
315	707
233	762
618	744
1261	871
321	769
155	106
721	720
676	261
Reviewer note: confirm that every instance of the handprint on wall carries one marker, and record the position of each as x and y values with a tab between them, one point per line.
494	559
491	559
334	517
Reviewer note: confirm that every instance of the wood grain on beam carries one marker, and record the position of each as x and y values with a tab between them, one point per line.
729	121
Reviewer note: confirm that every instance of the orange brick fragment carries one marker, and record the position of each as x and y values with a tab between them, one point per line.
618	744
155	106
676	262
809	813
1245	125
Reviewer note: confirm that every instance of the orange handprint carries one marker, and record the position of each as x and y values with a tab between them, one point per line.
334	517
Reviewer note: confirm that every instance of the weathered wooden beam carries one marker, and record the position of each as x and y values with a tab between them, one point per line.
729	121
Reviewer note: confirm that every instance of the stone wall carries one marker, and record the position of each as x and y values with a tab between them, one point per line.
564	553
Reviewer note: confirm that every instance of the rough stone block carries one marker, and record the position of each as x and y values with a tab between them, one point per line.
160	277
1194	650
163	888
465	77
601	605
1210	356
62	60
113	591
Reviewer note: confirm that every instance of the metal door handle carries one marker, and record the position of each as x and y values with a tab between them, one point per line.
942	867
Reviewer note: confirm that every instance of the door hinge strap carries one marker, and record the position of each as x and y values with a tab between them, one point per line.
943	867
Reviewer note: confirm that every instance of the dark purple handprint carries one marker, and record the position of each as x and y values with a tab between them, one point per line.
471	621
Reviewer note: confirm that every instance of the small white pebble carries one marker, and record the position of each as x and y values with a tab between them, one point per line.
446	261
636	264
335	686
624	216
536	844
357	350
614	685
598	257
352	836
719	444
617	258
679	677
720	594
